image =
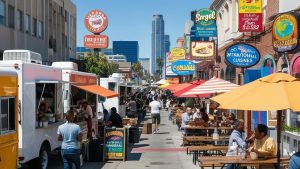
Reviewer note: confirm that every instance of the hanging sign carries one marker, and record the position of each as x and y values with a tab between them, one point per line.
176	54
285	33
115	143
202	50
242	55
183	67
250	22
250	6
205	23
96	21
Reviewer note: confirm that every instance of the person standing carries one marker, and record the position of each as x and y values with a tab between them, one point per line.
132	108
70	135
155	108
87	110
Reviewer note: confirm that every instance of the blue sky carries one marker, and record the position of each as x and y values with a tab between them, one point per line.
132	19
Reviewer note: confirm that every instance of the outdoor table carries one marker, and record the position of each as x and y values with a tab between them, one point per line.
206	150
195	129
214	161
203	139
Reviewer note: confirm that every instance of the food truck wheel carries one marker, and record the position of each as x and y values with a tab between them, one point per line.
44	158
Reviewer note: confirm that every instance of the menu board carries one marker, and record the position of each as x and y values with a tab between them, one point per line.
115	144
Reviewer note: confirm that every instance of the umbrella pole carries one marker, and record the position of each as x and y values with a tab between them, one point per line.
279	119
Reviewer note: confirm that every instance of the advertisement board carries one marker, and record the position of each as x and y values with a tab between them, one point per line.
95	41
285	33
115	143
176	54
250	22
183	67
205	23
202	50
96	21
169	71
250	6
242	55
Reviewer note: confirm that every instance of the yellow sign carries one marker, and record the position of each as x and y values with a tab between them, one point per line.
176	54
250	6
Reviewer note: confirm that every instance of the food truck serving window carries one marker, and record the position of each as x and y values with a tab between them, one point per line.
7	114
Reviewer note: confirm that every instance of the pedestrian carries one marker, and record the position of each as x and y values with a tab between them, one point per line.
294	162
106	115
115	120
88	112
70	135
155	108
132	108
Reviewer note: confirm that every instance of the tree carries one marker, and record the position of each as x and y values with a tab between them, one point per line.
100	66
137	68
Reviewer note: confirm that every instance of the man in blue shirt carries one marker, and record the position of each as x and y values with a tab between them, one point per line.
186	117
70	135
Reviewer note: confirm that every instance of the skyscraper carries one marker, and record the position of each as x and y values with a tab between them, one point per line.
167	43
128	48
158	43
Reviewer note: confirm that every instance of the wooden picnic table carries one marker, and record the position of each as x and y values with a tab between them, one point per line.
201	130
207	150
206	128
196	140
221	161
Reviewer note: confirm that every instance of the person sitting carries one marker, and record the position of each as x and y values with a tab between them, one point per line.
294	162
106	115
197	115
186	117
230	119
115	120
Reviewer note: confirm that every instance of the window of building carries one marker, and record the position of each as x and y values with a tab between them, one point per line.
2	12
27	23
11	16
7	114
40	30
20	20
295	119
34	25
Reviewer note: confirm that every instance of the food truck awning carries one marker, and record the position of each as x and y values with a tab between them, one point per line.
98	90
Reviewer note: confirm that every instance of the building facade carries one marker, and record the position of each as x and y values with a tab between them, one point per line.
158	42
47	27
128	48
145	62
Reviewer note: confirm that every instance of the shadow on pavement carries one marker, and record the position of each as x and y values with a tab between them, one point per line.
140	145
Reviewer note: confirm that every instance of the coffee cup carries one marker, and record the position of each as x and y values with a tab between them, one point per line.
253	156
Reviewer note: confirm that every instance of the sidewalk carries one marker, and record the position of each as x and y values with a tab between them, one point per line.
157	151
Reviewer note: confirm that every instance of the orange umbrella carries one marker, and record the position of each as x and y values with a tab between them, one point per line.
277	91
175	87
193	84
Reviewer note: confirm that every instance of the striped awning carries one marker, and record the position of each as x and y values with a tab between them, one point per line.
214	85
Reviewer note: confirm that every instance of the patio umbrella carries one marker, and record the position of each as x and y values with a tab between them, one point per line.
164	85
277	91
192	85
212	86
175	87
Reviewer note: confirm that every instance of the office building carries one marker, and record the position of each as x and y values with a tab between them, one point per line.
145	62
158	43
167	43
47	27
128	48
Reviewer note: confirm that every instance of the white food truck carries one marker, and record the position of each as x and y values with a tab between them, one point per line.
41	110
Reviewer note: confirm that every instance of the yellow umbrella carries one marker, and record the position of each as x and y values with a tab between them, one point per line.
164	85
277	91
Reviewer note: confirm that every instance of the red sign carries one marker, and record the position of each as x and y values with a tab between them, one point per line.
250	22
96	21
96	41
82	80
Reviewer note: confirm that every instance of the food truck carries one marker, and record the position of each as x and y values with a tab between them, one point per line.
9	119
40	110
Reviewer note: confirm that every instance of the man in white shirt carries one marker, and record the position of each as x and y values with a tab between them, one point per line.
155	108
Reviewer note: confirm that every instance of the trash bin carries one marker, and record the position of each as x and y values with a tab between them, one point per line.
134	135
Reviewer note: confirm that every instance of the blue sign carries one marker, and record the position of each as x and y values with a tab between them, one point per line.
204	31
242	55
183	67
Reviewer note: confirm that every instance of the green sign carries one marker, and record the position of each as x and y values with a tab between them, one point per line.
115	144
206	17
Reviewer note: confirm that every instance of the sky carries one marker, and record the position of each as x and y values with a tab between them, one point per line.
131	20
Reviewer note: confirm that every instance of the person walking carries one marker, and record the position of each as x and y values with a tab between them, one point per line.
155	108
132	107
70	135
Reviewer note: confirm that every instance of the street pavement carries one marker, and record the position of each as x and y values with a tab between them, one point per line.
154	151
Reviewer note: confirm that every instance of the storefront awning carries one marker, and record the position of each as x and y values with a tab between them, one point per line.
98	90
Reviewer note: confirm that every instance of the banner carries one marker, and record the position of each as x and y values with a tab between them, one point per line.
183	67
202	50
250	22
96	41
250	6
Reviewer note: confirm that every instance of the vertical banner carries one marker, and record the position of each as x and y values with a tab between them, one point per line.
250	16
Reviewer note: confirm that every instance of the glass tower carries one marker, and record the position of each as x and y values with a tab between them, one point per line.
158	43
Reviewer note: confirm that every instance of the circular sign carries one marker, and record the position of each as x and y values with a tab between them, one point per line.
285	33
183	67
242	55
96	21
